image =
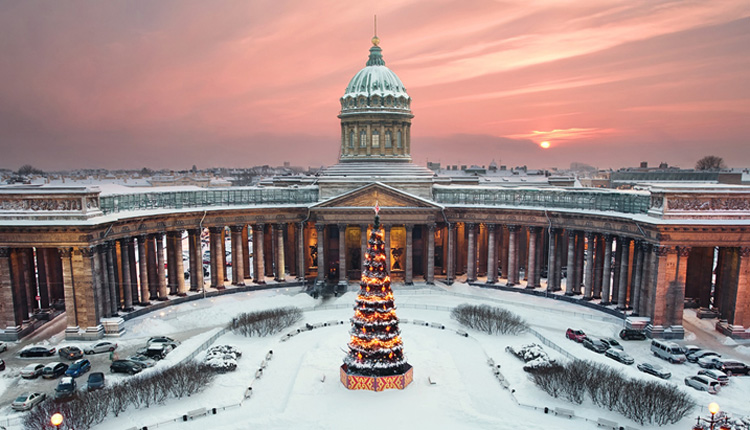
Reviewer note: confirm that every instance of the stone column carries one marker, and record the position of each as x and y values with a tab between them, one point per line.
160	269
669	294
245	253
238	257
588	280
598	266
512	255
450	270
280	272
143	269
112	275
571	276
171	264
299	235
106	288
71	314
320	280
624	264
532	268
223	252
196	259
607	270
551	263
409	269
153	268
637	287
471	258
387	228
580	250
616	271
127	282
741	315
342	256
430	274
181	287
259	257
491	257
83	281
644	302
12	315
98	283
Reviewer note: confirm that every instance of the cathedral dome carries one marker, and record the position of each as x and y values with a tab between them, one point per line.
375	88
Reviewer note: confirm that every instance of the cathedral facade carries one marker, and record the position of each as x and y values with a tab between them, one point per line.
103	258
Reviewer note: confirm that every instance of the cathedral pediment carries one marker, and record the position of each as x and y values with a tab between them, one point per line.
386	197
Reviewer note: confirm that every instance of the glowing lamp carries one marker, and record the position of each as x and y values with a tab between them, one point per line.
56	419
713	407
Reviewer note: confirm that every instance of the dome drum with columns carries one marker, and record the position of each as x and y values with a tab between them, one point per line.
375	114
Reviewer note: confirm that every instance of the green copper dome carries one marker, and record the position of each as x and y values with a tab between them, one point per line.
375	88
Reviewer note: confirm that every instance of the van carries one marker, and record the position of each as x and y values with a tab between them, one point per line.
669	351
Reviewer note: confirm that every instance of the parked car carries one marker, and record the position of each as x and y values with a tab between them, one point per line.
156	351
124	366
576	335
3	346
709	362
101	347
669	351
654	369
142	360
95	381
689	349
37	351
703	383
78	368
53	370
32	370
694	356
733	367
632	334
611	343
619	355
2	364
24	402
66	388
71	352
595	345
715	374
163	340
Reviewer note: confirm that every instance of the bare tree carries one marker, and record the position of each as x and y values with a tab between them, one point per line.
710	162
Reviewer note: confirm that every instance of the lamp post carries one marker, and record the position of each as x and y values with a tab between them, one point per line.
713	408
56	419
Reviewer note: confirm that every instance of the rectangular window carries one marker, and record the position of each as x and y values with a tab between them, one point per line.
387	139
375	139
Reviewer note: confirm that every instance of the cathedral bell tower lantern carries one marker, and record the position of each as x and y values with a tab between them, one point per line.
375	114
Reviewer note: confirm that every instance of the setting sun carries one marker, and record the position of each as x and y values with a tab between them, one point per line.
544	144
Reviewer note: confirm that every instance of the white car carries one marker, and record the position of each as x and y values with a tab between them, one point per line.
32	370
715	374
27	401
100	347
3	346
703	383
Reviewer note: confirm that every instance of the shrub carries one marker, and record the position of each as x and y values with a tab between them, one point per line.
489	319
264	323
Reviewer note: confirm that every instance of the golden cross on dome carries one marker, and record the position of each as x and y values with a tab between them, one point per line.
375	39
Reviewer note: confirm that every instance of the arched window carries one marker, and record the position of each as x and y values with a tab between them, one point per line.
362	139
375	139
398	139
388	143
351	139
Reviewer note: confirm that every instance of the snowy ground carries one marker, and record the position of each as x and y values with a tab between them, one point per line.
301	387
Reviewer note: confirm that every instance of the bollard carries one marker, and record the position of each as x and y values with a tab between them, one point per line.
546	410
212	410
184	418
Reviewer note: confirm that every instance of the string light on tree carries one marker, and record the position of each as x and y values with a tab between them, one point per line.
376	358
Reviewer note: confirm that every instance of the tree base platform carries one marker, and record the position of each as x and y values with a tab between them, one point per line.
376	383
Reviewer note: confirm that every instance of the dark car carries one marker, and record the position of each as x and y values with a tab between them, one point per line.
611	343
37	351
654	369
595	345
619	355
78	368
66	388
733	367
96	381
70	352
53	370
2	364
576	335
632	334
156	351
124	366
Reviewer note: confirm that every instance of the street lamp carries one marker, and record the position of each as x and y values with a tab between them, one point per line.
56	419
713	408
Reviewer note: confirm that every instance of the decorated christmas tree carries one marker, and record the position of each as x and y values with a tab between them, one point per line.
376	358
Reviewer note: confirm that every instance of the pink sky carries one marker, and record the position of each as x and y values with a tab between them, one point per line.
169	84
